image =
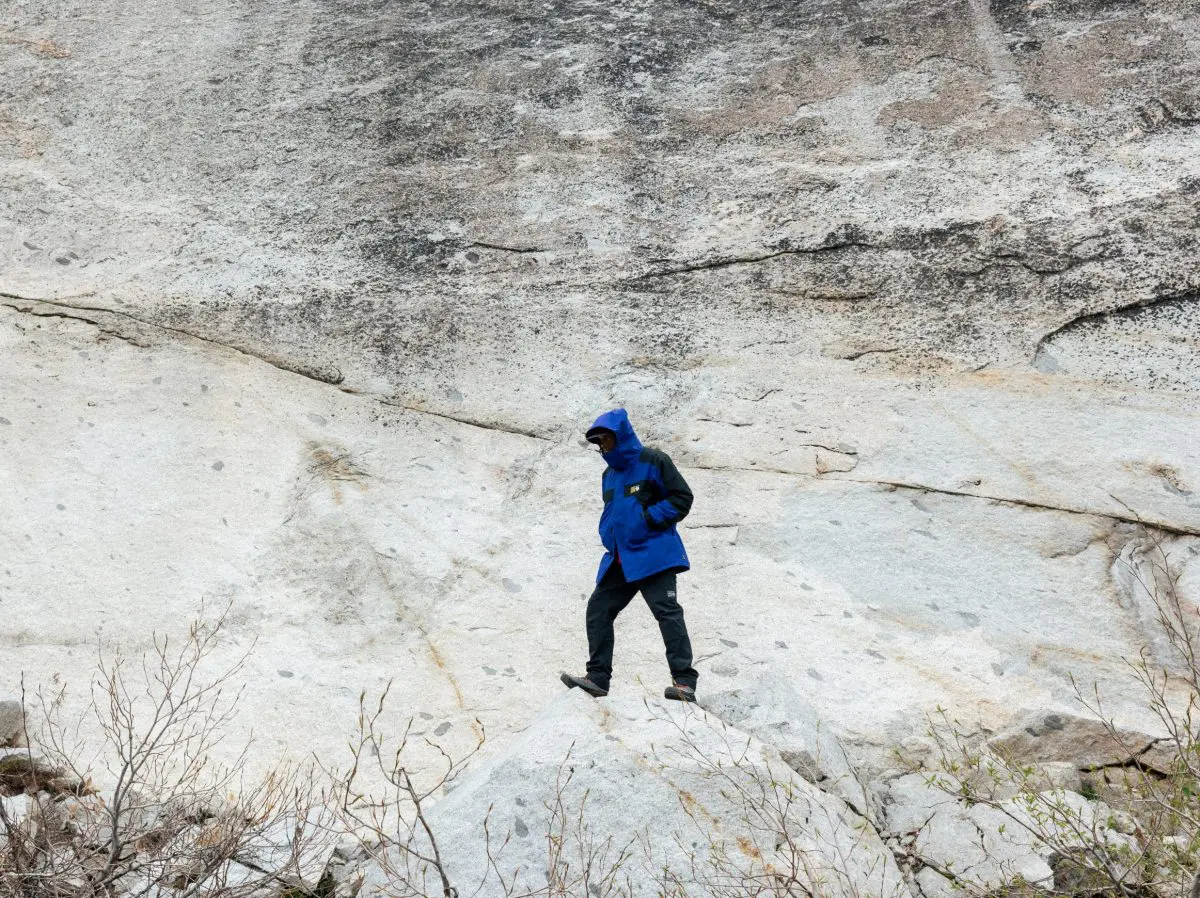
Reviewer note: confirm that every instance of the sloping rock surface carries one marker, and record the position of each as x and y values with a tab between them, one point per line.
600	776
773	710
954	845
305	305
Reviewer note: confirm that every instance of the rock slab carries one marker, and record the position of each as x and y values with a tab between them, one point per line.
614	775
12	721
772	708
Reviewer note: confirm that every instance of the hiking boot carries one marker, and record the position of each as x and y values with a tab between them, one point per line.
583	683
680	692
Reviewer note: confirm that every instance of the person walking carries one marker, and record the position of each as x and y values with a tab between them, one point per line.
645	497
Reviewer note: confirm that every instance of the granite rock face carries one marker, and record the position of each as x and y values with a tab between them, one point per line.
668	791
1085	742
772	709
304	308
416	197
950	844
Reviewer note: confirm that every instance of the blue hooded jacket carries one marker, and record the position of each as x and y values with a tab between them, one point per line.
645	496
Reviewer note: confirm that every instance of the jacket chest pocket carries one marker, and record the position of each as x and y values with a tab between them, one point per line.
644	491
633	500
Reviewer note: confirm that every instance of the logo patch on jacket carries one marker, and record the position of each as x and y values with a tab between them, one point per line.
633	489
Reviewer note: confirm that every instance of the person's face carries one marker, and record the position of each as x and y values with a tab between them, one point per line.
607	442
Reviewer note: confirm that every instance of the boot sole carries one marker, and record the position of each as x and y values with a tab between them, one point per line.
573	683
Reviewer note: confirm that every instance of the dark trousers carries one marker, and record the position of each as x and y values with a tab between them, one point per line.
612	594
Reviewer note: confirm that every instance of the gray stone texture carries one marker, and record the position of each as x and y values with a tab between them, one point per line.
690	796
1086	742
356	191
12	721
771	708
304	308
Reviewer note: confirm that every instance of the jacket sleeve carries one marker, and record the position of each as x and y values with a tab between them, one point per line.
674	507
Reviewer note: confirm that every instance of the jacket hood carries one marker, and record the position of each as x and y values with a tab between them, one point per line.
628	448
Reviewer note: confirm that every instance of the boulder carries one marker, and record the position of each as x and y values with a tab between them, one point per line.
910	802
298	850
1056	775
993	778
987	847
772	709
186	872
247	878
955	843
348	868
23	771
85	815
1083	741
974	846
1161	757
12	721
685	793
16	807
931	883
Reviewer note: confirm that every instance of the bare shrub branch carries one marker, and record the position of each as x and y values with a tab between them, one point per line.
381	803
167	819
